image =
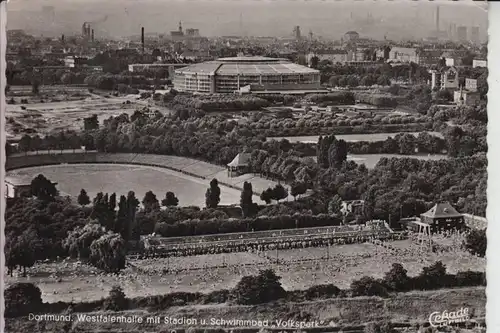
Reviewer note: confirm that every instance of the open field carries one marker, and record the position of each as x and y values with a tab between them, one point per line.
299	268
348	137
62	109
182	165
120	179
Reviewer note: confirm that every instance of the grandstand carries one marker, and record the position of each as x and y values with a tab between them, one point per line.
265	240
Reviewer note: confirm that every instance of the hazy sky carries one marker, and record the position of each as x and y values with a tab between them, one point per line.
258	17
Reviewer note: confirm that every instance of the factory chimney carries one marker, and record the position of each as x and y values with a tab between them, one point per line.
437	19
142	39
92	35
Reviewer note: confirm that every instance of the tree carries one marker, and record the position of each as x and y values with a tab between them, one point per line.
43	188
433	277
80	240
116	301
150	202
267	195
108	253
35	86
322	150
102	212
246	200
335	205
368	286
170	200
83	198
337	153
21	298
25	143
91	123
397	278
132	206
25	248
475	242
383	80
298	188
314	62
212	196
279	192
121	225
112	202
263	288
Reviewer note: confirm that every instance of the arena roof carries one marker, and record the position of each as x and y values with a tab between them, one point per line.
248	66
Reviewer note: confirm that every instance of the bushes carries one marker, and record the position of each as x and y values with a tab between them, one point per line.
217	102
21	298
378	99
116	300
263	288
397	279
475	242
262	223
322	291
337	98
368	286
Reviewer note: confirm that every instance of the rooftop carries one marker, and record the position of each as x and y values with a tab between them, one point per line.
248	66
240	160
442	210
18	180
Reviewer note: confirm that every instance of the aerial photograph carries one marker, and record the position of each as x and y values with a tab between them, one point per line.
194	166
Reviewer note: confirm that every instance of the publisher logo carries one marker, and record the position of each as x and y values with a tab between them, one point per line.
445	318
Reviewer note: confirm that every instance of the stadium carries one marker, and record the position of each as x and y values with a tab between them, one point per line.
247	74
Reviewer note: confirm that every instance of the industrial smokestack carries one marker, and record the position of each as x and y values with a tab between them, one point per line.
92	35
437	18
142	39
62	38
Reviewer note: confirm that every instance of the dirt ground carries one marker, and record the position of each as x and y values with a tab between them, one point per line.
61	108
299	269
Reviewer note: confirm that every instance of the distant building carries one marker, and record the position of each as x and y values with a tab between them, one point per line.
429	57
239	165
229	75
462	34
471	84
443	217
465	97
177	34
192	32
351	36
446	78
16	187
479	63
404	54
335	56
72	61
354	207
474	35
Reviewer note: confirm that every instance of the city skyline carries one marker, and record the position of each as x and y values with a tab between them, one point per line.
250	18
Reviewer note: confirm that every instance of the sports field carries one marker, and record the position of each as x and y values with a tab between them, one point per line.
120	179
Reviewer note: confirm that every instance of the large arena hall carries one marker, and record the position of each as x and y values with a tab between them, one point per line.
246	74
